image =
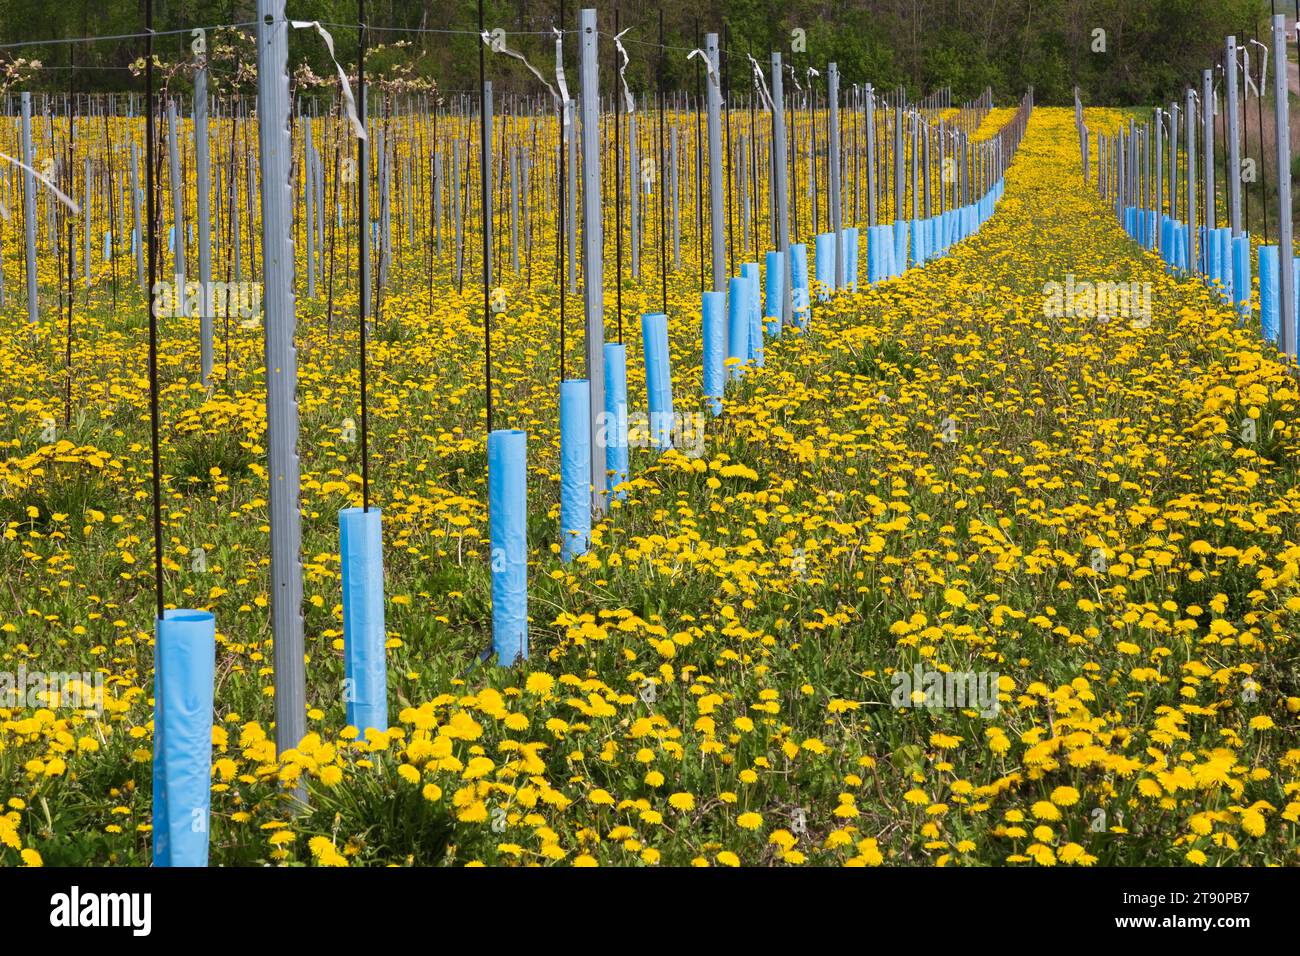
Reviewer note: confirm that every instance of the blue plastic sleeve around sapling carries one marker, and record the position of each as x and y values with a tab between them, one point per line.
361	550
616	450
184	666
575	467
508	528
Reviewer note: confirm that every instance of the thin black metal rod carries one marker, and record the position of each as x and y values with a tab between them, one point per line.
153	319
663	182
618	189
363	223
562	214
484	187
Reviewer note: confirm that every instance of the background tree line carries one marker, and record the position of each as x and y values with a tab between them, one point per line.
1151	47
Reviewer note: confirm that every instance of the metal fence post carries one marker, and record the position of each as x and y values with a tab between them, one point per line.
281	374
1286	276
1190	110
782	188
178	206
593	263
1207	140
29	211
1234	135
203	172
832	102
717	224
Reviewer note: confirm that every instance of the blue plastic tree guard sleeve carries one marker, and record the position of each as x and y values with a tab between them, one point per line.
774	286
365	663
1241	272
658	378
575	468
900	246
1268	299
750	272
824	264
737	326
508	529
714	316
185	653
799	283
616	450
851	258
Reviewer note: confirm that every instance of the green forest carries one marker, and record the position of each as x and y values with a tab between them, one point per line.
1118	51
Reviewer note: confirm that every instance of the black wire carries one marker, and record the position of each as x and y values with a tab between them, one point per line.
483	138
153	319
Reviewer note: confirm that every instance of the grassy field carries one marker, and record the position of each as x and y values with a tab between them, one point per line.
937	477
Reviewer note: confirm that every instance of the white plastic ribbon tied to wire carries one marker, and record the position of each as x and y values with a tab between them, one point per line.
1244	51
760	83
1263	69
59	193
708	65
349	103
566	104
622	71
501	47
794	75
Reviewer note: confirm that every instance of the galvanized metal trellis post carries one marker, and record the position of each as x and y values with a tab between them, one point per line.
717	224
1190	111
487	166
1286	275
363	199
436	186
178	207
455	212
201	169
677	219
898	164
832	101
29	211
593	265
572	213
1234	135
782	189
1160	177
87	206
138	221
1207	142
1173	162
871	155
634	193
309	201
514	209
281	375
